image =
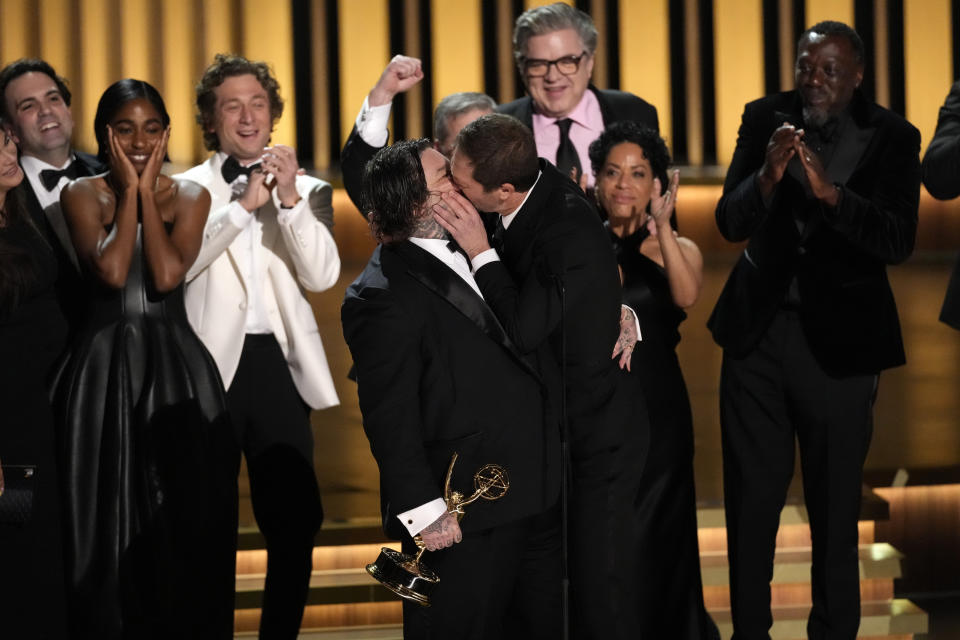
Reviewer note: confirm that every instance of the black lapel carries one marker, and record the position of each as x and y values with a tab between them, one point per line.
606	110
89	164
516	239
526	112
440	279
850	152
33	204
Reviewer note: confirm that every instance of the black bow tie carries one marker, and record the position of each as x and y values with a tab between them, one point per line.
231	169
50	177
456	248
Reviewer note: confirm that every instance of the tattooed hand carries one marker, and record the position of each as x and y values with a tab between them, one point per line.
443	533
628	337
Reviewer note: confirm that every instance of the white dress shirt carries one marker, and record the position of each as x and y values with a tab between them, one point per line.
372	123
251	237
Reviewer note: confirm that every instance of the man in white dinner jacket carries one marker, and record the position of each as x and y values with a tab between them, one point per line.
266	242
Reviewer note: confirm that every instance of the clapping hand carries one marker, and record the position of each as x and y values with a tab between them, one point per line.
820	183
780	149
662	204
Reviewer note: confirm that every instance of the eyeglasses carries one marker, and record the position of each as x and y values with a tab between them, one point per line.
567	65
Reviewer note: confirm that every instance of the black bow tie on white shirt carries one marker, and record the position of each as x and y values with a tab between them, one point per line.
231	169
50	177
456	248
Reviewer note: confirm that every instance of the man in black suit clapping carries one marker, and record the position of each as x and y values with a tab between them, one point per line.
824	187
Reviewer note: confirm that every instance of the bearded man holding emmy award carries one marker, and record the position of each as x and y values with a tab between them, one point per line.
437	376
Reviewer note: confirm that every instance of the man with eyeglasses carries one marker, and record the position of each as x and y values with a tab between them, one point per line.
554	48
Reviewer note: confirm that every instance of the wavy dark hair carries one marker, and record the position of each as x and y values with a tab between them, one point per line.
394	190
18	266
225	66
118	94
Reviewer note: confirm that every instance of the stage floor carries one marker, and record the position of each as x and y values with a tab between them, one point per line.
917	412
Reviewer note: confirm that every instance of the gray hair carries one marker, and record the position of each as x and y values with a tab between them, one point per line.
455	104
550	18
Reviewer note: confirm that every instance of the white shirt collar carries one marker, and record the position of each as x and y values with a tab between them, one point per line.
508	219
33	165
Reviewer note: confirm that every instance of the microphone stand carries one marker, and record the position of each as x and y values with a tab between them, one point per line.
564	462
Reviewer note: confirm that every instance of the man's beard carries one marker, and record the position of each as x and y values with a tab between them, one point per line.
814	117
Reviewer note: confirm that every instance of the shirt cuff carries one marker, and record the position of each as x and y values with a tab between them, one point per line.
636	321
484	258
286	216
239	216
419	518
372	123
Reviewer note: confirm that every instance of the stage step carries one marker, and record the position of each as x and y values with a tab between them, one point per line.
368	530
365	632
872	508
878	561
895	619
344	602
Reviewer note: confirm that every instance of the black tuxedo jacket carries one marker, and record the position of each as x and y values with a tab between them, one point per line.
846	306
941	177
436	374
557	241
615	106
70	284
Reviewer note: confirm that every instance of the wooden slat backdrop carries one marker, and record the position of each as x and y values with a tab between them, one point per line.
169	42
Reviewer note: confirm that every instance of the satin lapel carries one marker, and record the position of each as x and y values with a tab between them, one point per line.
52	219
89	165
440	279
215	184
516	239
212	181
850	152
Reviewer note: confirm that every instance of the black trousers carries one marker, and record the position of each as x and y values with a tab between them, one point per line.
776	395
273	429
498	584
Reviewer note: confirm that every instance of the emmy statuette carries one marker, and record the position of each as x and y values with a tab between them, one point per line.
403	573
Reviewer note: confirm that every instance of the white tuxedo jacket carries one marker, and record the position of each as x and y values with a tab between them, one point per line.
294	257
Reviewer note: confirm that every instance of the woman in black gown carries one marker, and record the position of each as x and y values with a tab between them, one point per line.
661	274
32	334
150	536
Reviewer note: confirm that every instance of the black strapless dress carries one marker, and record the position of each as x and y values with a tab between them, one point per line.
32	336
671	589
149	486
